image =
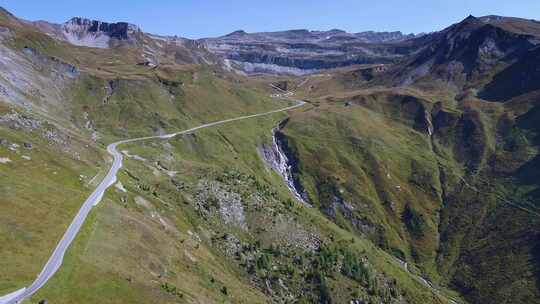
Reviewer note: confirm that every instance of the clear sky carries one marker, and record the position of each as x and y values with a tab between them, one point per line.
209	18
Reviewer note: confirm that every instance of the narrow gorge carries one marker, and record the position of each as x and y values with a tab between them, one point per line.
282	159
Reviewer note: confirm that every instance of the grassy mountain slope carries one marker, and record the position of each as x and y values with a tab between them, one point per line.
456	204
223	220
430	171
198	219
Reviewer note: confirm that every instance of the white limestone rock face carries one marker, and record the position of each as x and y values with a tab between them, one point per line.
300	52
97	34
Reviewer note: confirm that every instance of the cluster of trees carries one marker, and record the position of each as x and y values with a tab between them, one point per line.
171	289
338	259
313	274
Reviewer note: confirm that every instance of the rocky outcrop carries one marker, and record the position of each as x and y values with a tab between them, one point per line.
49	132
307	62
215	198
28	75
93	33
55	67
119	30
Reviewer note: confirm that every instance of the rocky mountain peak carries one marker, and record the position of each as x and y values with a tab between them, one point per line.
81	21
468	24
93	33
119	30
467	51
238	33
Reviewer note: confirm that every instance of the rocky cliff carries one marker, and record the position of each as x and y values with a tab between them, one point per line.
303	51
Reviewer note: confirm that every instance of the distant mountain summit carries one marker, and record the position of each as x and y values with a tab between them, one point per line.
304	35
91	33
238	33
80	28
148	49
301	51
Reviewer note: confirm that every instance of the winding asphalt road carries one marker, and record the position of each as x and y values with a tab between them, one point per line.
57	257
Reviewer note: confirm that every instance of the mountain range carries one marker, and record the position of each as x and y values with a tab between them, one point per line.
408	173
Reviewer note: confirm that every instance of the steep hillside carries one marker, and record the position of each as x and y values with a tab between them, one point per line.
449	188
467	54
520	78
431	172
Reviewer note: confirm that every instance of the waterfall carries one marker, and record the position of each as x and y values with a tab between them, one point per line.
277	158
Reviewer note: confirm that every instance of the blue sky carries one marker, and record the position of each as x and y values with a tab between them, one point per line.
208	18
